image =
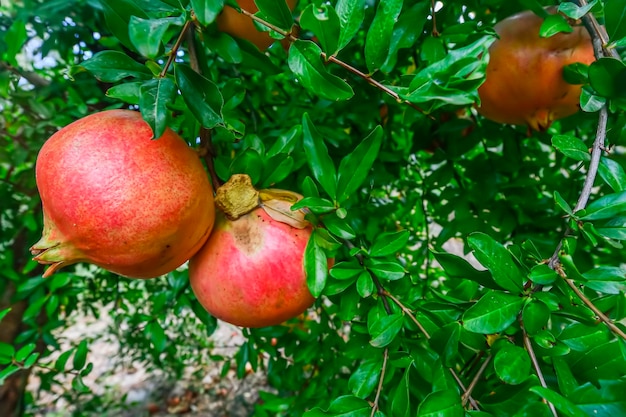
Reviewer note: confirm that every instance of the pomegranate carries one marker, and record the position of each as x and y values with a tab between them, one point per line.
241	26
250	272
114	197
524	81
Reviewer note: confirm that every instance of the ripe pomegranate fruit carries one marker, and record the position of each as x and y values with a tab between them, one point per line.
250	272
524	81
242	26
114	197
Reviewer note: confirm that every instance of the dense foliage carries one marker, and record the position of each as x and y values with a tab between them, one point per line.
468	279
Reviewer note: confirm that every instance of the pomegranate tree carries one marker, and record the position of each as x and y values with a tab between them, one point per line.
524	81
250	272
114	197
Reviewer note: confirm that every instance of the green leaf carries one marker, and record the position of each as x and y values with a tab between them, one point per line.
61	361
607	400
378	38
7	352
79	386
59	281
591	102
207	10
446	403
323	21
276	13
390	271
400	403
355	167
315	204
364	379
565	377
607	76
389	243
156	334
155	96
147	34
606	279
24	352
202	96
610	205
457	267
117	14
581	338
384	329
553	24
612	173
498	260
535	316
346	270
573	11
561	403
365	284
315	266
344	406
493	313
4	312
512	364
321	164
277	168
560	201
14	39
248	162
615	19
113	66
128	92
571	147
306	64
209	322
351	14
542	274
338	227
445	341
7	372
80	356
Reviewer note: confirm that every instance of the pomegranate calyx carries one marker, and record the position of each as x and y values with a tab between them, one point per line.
237	197
277	204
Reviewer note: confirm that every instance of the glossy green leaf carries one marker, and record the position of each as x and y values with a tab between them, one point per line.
607	76
156	95
561	403
351	14
445	341
228	49
323	21
365	378
389	243
615	19
4	312
315	266
306	64
607	400
571	147
275	12
498	260
355	167
117	14
201	95
384	329
400	403
128	92
542	274
606	279
24	352
338	227
147	34
493	313
344	406
80	356
553	24
78	385
445	403
157	336
610	205
612	173
457	267
512	364
573	11
580	337
15	38
346	270
113	66
7	352
61	361
248	162
379	33
207	10
7	372
390	271
365	284
535	316
591	102
321	164
565	377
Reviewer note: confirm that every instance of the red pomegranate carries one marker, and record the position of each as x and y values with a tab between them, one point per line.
114	197
250	272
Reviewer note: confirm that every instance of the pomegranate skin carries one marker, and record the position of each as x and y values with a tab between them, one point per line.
114	197
250	273
524	80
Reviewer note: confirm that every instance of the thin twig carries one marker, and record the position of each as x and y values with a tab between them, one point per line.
175	48
533	358
435	32
291	38
468	392
606	320
380	382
